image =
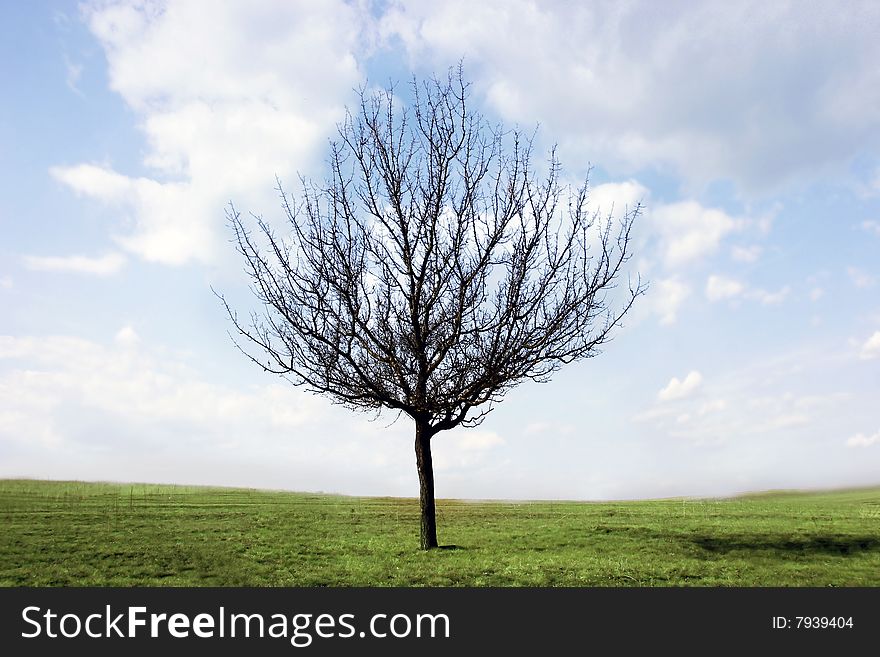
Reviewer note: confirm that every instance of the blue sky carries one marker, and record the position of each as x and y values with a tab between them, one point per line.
749	130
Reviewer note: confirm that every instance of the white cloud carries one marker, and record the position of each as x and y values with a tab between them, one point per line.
676	389
787	420
769	298
96	181
869	185
816	293
714	406
128	410
689	232
746	253
537	428
101	266
74	72
479	440
860	278
127	337
137	385
78	408
872	227
871	348
655	414
748	403
720	287
173	224
708	89
861	440
227	98
6	282
617	196
667	295
464	450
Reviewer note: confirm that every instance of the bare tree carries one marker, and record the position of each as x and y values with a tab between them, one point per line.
433	270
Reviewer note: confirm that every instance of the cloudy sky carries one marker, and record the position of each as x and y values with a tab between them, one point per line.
749	130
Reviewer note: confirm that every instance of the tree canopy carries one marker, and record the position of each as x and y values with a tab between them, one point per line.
434	269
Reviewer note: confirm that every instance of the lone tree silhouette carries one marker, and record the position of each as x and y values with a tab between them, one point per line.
434	270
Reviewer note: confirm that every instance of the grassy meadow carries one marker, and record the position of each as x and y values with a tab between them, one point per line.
78	534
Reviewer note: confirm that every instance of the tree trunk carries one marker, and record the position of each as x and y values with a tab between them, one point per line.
426	485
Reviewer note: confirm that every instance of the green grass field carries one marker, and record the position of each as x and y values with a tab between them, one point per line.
77	534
